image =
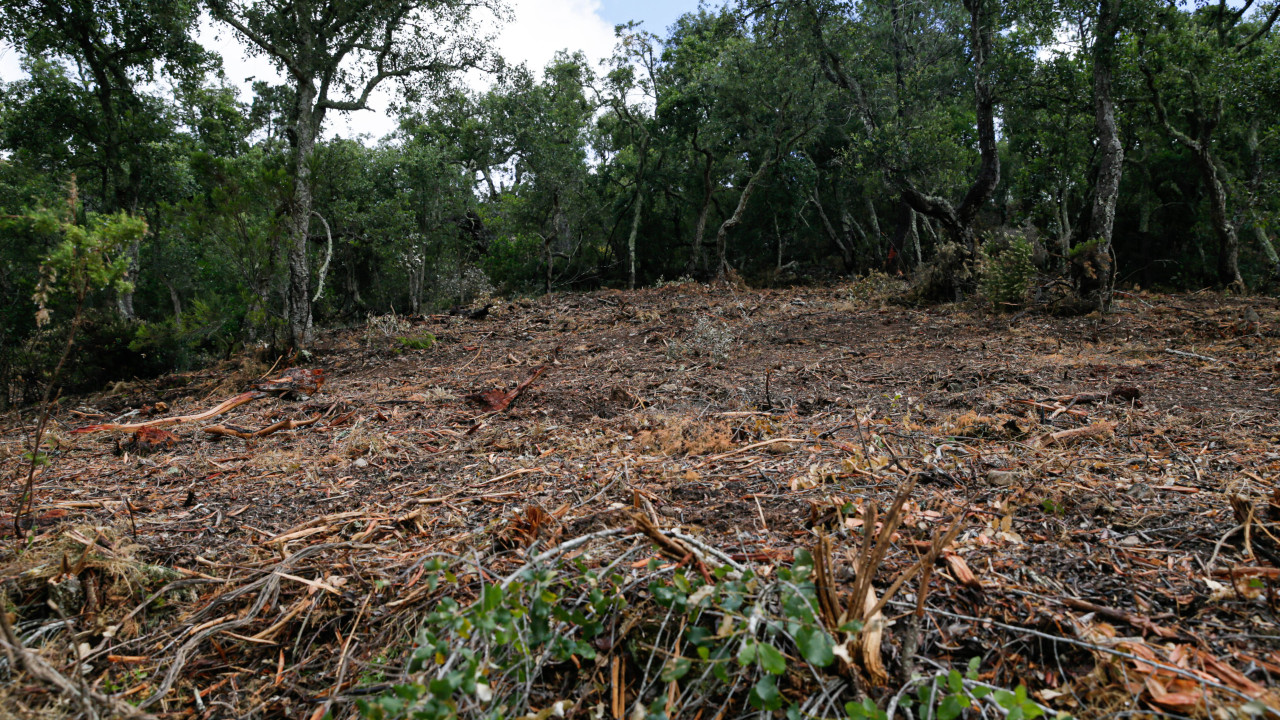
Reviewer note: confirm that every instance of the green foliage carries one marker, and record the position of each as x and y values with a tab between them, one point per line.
423	341
948	695
84	257
76	260
566	167
739	636
1007	271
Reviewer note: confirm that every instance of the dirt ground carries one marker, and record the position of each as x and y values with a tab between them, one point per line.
1115	477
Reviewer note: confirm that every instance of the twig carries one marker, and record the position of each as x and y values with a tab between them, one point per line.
88	699
342	659
27	499
1181	353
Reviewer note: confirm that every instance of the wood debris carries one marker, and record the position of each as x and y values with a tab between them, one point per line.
992	484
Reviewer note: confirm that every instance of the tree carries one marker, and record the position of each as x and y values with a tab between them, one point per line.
335	53
1196	61
1092	265
901	67
548	123
117	46
636	51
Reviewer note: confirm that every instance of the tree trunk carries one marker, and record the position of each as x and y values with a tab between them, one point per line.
989	169
1223	227
549	261
1256	165
1093	269
698	261
124	299
915	238
845	247
1063	211
1204	123
722	236
873	219
1268	248
306	126
174	298
631	239
777	233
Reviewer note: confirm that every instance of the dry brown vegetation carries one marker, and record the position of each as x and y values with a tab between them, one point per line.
1109	484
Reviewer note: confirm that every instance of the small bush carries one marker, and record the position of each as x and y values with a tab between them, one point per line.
1007	269
724	637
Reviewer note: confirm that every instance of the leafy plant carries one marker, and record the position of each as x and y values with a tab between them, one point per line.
84	257
704	636
1007	271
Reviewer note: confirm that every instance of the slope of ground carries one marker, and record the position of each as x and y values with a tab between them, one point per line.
1111	482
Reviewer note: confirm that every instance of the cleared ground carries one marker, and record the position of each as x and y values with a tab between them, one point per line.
1114	479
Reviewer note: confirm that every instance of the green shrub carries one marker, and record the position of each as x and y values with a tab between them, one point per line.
1007	270
421	341
719	637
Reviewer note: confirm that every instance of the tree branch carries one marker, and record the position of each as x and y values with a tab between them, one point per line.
1260	32
1161	114
221	10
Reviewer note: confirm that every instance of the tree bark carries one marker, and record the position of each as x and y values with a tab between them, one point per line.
698	260
174	298
734	220
1228	239
1094	269
306	127
842	243
631	239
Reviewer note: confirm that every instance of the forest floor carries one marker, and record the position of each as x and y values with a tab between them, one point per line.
1111	481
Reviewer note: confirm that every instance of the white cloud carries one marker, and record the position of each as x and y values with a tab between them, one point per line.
543	27
10	65
537	31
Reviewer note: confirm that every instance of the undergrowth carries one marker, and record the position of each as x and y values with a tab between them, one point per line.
563	638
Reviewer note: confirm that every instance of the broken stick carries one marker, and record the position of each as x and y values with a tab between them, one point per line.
230	431
225	407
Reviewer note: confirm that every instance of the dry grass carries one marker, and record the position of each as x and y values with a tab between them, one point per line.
673	436
975	425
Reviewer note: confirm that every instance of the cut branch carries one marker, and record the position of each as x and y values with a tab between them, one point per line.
231	431
225	407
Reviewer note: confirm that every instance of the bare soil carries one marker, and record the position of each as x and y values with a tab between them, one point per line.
754	420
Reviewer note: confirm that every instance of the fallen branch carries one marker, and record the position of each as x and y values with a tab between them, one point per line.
1096	430
1136	621
225	407
496	400
299	382
1120	393
231	431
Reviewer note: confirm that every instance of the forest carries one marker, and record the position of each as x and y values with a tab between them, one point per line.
1033	150
839	359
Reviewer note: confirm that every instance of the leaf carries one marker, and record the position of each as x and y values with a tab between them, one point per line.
952	706
815	646
764	696
676	669
492	597
773	661
747	655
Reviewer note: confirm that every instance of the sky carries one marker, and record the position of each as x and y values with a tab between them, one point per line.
539	30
